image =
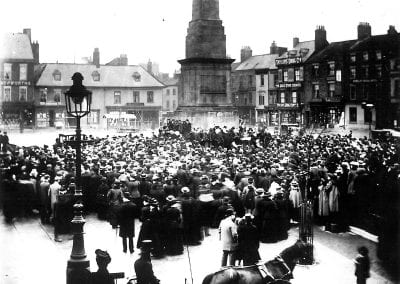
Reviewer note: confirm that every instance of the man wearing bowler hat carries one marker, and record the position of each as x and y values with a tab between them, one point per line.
143	267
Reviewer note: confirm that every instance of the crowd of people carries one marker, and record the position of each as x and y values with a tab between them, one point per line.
182	181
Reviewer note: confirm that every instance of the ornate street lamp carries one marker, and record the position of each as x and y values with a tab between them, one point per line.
306	230
78	100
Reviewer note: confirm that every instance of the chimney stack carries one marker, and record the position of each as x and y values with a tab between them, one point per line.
28	32
320	38
273	49
35	51
392	30
150	67
245	53
123	58
96	57
296	41
363	30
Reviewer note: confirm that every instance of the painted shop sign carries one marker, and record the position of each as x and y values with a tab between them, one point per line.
288	85
288	60
365	81
15	83
286	105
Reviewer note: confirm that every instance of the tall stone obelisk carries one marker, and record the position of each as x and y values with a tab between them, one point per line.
205	96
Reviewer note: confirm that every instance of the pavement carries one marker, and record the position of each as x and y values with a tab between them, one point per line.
30	255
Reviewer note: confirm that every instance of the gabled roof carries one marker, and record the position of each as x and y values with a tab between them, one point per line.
15	46
110	76
265	61
333	51
304	45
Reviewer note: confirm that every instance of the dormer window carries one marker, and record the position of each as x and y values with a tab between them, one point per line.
96	76
304	51
292	53
57	75
136	76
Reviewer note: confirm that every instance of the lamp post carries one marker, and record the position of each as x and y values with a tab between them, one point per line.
78	100
306	230
368	107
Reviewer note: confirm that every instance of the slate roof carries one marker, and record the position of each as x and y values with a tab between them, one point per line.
385	41
310	45
170	82
332	51
265	61
110	76
15	46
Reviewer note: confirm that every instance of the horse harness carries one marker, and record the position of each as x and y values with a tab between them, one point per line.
273	270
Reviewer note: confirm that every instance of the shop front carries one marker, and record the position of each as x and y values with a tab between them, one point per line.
132	118
15	115
51	116
326	114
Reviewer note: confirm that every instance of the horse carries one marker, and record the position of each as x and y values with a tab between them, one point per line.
278	270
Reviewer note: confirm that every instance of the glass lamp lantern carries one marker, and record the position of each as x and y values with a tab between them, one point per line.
78	99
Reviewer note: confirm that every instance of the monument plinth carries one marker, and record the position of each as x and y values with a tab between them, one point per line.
205	96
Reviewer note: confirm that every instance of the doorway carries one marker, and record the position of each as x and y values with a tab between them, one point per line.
51	118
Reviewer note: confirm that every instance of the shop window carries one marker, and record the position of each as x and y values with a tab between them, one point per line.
353	114
57	95
136	96
22	72
332	87
57	75
294	97
96	76
285	76
117	98
352	92
7	93
262	80
316	91
331	68
7	71
93	117
150	96
23	94
43	96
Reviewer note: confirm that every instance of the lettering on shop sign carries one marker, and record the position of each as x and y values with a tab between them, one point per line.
288	85
15	83
286	105
364	80
288	60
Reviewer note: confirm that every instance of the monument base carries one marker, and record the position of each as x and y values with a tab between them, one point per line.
207	117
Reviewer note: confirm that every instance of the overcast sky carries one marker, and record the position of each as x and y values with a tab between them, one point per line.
156	29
